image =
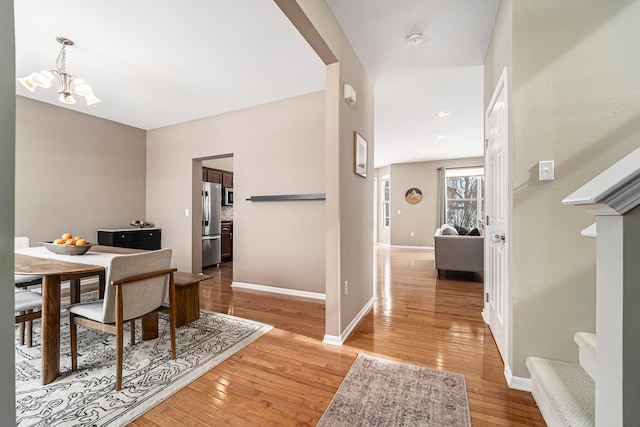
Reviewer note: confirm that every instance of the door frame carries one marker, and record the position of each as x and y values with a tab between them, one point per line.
502	85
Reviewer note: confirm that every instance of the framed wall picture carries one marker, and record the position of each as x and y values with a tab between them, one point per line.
413	196
360	155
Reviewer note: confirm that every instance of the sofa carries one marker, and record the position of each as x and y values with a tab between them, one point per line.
458	252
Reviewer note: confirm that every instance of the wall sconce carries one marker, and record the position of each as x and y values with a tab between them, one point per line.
349	94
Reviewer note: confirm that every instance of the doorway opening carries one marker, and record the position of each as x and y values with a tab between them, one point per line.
213	235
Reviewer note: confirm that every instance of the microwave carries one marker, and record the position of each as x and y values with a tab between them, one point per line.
227	196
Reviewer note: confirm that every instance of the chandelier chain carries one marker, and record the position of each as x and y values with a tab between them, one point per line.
61	61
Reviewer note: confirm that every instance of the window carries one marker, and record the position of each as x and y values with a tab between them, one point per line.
386	202
465	197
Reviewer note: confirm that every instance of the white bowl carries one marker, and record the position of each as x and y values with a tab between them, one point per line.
66	249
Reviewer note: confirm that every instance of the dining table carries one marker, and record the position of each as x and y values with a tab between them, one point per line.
55	269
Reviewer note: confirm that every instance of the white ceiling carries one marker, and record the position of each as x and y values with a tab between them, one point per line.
157	63
414	83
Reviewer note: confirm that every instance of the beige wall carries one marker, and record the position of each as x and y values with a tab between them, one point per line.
349	215
421	218
277	148
574	100
75	173
7	164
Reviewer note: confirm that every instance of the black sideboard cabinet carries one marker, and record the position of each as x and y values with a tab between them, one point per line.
143	238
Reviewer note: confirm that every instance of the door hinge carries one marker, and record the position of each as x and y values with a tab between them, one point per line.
487	221
486	297
486	143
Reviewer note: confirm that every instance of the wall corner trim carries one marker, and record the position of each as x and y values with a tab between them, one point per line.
339	340
517	383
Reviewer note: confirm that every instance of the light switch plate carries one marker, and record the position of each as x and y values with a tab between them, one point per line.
546	170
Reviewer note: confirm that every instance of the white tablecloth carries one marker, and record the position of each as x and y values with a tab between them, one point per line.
93	258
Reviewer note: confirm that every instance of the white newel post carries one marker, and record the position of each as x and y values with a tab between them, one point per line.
613	198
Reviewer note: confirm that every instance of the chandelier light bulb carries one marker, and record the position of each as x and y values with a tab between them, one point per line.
67	98
28	83
91	99
41	79
81	88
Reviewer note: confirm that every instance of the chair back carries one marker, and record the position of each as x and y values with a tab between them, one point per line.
139	298
21	242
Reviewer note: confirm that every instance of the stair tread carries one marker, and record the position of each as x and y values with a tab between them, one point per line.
587	347
564	392
585	339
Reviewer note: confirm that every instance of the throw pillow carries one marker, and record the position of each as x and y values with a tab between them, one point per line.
448	230
474	232
462	231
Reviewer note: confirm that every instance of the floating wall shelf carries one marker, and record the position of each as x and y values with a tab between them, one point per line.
288	197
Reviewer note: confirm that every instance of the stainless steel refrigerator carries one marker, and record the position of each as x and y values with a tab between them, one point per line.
211	202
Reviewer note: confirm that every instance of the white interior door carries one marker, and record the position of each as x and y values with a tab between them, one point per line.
496	309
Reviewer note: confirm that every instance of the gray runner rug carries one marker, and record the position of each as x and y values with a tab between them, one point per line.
88	396
381	392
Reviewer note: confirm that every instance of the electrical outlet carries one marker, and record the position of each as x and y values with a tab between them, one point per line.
413	234
186	212
346	287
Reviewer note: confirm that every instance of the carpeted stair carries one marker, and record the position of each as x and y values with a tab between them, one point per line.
565	392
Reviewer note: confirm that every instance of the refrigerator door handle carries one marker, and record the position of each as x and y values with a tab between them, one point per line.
207	213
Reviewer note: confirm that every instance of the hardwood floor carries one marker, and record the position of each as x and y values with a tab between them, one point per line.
288	377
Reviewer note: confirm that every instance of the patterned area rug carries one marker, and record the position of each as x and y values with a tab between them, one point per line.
88	396
380	392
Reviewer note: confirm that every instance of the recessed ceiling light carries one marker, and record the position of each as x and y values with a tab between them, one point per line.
441	136
442	114
414	39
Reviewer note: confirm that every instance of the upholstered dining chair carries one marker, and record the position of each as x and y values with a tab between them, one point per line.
137	285
28	306
23	281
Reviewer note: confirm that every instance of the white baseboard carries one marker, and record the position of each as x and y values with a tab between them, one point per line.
517	383
276	290
484	316
424	248
339	340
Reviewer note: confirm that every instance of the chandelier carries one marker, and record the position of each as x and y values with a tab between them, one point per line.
65	80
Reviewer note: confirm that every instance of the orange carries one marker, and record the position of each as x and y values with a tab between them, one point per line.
77	238
70	242
67	236
58	242
81	242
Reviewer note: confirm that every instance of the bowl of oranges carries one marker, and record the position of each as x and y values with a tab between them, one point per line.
68	245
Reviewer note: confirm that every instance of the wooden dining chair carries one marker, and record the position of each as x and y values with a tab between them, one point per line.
24	281
138	284
28	306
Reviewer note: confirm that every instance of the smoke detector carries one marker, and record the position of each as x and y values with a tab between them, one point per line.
414	39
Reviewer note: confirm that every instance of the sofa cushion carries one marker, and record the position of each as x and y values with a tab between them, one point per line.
461	230
474	232
448	230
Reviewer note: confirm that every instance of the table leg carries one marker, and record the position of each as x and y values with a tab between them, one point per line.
101	283
150	326
74	290
50	328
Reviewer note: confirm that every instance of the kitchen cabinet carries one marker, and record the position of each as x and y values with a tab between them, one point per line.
143	238
227	180
217	176
213	175
226	235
